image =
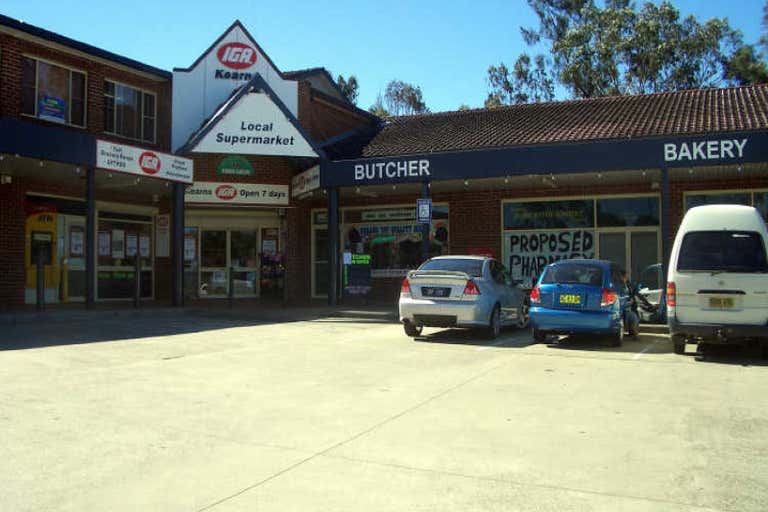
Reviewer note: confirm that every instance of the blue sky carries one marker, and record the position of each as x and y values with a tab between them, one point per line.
444	46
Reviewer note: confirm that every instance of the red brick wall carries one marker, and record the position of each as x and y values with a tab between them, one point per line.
12	224
10	93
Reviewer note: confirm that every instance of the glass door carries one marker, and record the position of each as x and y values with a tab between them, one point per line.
214	276
613	247
73	257
244	257
321	268
645	253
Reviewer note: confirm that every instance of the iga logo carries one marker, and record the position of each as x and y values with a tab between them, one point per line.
236	55
226	192
149	162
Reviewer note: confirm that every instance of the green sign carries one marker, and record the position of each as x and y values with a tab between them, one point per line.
235	166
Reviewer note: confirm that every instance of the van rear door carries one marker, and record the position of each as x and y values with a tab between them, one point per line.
722	278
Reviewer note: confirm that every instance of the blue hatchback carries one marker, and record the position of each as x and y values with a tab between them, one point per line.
579	296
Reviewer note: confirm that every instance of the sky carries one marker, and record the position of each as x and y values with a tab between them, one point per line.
443	46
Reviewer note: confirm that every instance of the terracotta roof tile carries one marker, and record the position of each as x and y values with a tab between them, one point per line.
618	117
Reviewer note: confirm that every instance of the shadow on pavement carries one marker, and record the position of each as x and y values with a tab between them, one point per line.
741	355
593	342
509	338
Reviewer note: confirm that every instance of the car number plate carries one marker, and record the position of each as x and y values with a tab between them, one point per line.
721	302
428	291
570	298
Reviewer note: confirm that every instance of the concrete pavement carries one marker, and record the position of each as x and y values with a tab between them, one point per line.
349	414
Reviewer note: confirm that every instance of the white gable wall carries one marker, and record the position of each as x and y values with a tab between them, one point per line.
197	93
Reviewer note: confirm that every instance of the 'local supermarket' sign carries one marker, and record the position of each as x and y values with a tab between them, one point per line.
236	193
142	162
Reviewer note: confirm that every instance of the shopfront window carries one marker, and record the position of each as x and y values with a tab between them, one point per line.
129	112
119	242
549	214
692	200
628	211
214	279
761	203
52	92
624	230
393	238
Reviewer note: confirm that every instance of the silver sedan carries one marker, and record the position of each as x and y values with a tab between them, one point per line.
461	291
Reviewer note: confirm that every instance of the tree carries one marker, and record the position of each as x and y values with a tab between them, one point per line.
377	108
764	38
745	67
464	106
402	98
614	48
348	87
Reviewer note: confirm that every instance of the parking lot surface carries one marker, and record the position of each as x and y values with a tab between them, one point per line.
191	413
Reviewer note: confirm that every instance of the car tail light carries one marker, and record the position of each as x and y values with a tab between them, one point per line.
671	294
609	297
535	294
405	288
471	288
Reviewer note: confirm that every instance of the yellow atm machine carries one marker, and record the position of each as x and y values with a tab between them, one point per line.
42	242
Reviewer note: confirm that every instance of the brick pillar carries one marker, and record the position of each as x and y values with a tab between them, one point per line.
12	240
298	264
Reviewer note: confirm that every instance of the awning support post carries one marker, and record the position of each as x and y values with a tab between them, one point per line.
177	246
333	245
90	237
425	228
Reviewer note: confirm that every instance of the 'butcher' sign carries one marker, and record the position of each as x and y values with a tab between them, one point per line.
528	252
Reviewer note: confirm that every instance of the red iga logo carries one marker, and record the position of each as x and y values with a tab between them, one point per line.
149	162
236	55
226	192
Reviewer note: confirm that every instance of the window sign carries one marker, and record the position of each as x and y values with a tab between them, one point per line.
549	214
76	243
163	235
628	211
118	244
144	246
190	247
105	243
131	244
692	200
530	251
52	92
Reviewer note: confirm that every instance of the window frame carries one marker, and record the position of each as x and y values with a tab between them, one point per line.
71	70
113	97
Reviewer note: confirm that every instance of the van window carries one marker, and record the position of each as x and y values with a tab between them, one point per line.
574	273
727	251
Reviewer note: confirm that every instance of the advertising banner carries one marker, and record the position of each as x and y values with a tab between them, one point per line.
307	181
236	193
142	162
528	252
52	108
235	165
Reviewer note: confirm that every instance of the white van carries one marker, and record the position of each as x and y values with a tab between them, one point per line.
717	282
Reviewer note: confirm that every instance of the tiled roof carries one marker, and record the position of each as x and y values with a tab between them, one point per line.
664	114
298	74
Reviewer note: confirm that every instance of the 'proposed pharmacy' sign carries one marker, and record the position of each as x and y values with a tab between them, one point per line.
528	252
236	193
142	162
255	126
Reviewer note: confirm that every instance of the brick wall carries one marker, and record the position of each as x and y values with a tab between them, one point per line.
14	48
12	224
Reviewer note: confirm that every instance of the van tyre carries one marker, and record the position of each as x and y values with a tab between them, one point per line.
618	337
412	330
494	324
678	344
539	336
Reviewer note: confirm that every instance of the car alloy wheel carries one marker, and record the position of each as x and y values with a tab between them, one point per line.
412	330
494	324
523	315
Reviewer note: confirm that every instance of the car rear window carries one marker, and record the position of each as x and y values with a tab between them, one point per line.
574	273
725	251
471	267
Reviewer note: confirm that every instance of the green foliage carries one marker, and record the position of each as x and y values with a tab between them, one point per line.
402	98
378	108
464	106
612	48
348	87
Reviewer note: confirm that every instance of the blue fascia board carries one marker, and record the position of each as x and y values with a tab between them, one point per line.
33	140
616	155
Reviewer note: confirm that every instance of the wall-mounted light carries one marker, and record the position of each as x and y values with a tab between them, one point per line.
599	175
644	173
109	175
394	187
690	170
357	190
466	183
77	170
41	163
739	167
506	179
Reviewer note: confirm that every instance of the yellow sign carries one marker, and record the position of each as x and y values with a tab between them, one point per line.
42	236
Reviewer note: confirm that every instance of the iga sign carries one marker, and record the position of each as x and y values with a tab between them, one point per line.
236	57
305	182
236	193
528	252
135	160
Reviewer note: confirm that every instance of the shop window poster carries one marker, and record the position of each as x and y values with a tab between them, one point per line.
76	242
190	248
118	244
104	243
144	246
52	108
131	244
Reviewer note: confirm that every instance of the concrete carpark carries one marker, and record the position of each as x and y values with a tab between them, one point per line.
169	410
